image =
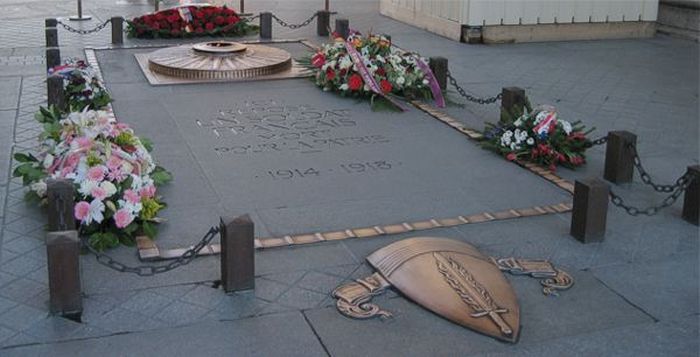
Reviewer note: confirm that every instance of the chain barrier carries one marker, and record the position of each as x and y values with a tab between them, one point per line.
600	141
150	270
250	18
84	32
294	26
650	211
646	178
470	97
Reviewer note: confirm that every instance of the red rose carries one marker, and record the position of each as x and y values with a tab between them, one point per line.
199	14
164	25
318	60
561	157
155	26
381	72
553	168
159	17
219	20
199	30
355	82
330	74
209	26
511	157
385	85
232	20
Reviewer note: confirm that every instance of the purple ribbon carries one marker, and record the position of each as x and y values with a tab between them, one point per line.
434	85
368	77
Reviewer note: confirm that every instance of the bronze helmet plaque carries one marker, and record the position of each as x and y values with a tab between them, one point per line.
452	279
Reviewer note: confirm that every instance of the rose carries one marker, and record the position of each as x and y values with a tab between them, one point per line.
511	156
81	210
318	60
330	74
385	85
123	218
355	82
209	26
219	20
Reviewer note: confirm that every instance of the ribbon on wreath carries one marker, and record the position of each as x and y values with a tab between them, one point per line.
432	81
367	77
547	124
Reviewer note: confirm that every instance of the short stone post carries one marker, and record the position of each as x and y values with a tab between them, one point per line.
63	261
237	254
438	65
513	102
63	251
117	30
323	22
55	92
51	37
60	193
53	57
266	25
691	201
619	162
241	8
50	22
590	211
342	27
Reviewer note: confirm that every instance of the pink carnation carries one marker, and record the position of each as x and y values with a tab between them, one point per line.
81	210
84	142
123	218
96	173
132	197
148	191
114	163
99	193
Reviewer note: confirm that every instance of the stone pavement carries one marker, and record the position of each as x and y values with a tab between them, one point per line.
635	294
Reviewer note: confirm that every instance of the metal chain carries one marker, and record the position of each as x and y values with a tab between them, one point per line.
650	211
470	97
85	32
600	141
294	26
251	18
150	270
646	178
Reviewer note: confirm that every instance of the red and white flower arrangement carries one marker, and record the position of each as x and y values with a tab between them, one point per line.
368	67
190	21
540	136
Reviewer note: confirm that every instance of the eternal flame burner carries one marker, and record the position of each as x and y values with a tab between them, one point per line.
219	60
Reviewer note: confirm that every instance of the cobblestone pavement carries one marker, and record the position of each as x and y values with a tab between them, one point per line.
636	293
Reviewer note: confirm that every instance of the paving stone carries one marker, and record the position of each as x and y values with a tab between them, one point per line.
204	296
181	313
9	92
21	289
238	305
665	289
301	298
119	320
6	304
54	329
5	333
269	290
319	282
146	302
291	334
21	317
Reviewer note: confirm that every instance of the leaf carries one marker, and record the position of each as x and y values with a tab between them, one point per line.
161	176
147	143
21	157
149	229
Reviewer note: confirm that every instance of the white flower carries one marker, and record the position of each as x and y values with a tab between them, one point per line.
400	80
508	133
95	212
87	186
530	141
48	161
566	126
426	82
39	187
345	62
344	86
513	146
381	59
109	188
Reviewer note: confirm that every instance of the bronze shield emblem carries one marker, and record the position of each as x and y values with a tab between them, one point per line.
451	278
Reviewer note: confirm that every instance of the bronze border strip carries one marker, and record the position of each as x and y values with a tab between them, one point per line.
475	135
149	251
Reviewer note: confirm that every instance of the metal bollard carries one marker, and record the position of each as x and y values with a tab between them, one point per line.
513	101
242	7
266	25
55	92
53	57
80	16
323	22
439	67
156	5
50	22
117	23
237	254
63	262
51	37
590	211
691	200
342	27
619	162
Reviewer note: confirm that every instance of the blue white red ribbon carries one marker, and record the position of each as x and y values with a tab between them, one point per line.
432	81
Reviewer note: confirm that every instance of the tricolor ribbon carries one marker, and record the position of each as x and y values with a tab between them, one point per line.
546	124
432	81
367	77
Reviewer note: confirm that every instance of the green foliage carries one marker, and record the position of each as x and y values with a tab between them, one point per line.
161	176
